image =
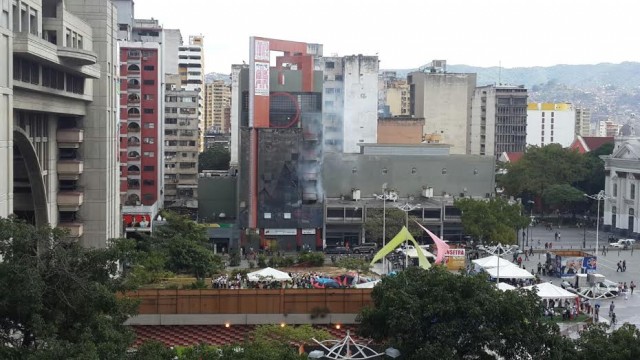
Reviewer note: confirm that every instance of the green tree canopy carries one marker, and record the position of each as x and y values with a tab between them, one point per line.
214	158
394	222
492	221
563	197
59	299
435	314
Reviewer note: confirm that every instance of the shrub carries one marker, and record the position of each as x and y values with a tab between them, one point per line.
198	284
288	261
311	258
262	261
234	259
252	264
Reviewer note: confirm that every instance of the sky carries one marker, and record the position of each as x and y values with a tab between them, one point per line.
409	34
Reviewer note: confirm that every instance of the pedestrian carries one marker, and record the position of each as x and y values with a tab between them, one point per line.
531	251
559	236
619	267
604	250
540	268
624	265
545	248
526	256
556	236
632	286
611	308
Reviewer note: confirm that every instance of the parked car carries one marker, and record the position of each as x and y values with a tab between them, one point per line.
623	243
608	285
337	250
365	248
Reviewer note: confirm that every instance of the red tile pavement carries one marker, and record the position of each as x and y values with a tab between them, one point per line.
187	335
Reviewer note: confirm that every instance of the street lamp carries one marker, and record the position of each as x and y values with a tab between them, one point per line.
531	204
406	208
599	196
384	197
584	233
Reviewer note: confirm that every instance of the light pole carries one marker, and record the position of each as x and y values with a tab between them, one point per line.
383	197
599	196
406	208
584	234
531	204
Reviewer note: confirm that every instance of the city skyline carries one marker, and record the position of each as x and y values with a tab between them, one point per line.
541	33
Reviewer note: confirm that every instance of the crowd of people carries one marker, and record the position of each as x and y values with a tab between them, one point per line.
299	280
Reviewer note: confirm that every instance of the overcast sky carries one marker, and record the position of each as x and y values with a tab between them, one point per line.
410	33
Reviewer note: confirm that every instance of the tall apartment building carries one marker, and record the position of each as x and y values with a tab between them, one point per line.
608	128
239	86
181	137
444	100
58	110
191	70
350	102
498	120
141	128
583	121
394	96
551	123
217	107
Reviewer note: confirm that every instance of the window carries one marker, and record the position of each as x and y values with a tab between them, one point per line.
149	140
148	82
267	215
148	111
149	68
149	168
615	189
329	65
148	96
147	197
329	90
170	121
149	125
632	189
149	154
148	182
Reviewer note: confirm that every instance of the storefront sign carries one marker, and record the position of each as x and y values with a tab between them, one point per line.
308	231
276	232
455	252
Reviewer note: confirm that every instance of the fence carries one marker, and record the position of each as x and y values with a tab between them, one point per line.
251	301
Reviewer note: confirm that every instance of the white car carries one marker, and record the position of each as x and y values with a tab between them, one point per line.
623	243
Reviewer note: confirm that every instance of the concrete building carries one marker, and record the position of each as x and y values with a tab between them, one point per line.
172	43
213	138
622	183
141	126
191	70
583	121
58	110
425	175
217	107
394	95
608	128
551	123
400	130
181	135
350	102
239	84
444	101
498	120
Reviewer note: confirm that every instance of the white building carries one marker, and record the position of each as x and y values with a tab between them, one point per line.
622	183
551	123
191	70
350	102
583	121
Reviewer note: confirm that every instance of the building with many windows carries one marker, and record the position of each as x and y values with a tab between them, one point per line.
217	107
551	123
622	183
583	121
181	135
191	70
58	110
498	120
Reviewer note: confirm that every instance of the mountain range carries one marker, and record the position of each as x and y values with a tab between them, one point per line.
611	91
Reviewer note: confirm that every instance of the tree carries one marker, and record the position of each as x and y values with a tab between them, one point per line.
593	181
394	221
435	314
492	221
214	158
563	197
60	299
153	350
541	167
598	342
354	264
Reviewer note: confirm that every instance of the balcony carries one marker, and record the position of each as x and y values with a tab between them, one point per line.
70	169
69	138
77	57
34	46
76	230
70	200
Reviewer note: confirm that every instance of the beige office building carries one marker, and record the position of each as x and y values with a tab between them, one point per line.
217	107
59	116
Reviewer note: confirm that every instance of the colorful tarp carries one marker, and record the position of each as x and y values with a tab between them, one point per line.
402	236
442	246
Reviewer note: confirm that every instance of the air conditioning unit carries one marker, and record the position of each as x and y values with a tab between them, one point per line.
355	194
427	192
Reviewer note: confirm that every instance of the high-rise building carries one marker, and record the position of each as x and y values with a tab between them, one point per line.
551	123
181	137
583	121
58	110
350	102
279	110
217	107
498	120
444	100
239	84
141	128
393	96
191	70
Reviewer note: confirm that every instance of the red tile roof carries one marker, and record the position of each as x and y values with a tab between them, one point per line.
514	156
594	142
188	335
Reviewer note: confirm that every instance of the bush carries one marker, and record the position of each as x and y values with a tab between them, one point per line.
198	284
311	258
243	273
288	261
262	261
234	259
252	264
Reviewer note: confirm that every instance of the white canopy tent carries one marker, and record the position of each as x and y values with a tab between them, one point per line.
508	272
549	291
413	253
490	262
268	274
505	286
367	285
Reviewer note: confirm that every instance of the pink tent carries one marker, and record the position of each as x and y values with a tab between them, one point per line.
440	245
